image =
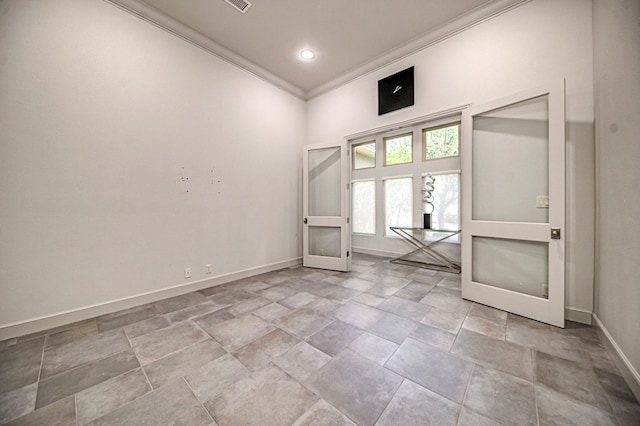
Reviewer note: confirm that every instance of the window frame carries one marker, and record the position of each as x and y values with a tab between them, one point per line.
416	169
442	126
384	148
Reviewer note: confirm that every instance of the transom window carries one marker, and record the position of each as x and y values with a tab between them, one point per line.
398	149
364	155
441	141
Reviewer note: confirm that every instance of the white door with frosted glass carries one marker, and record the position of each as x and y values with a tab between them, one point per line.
326	234
513	213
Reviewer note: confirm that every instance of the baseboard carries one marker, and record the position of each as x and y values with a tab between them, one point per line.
373	252
36	325
577	315
628	371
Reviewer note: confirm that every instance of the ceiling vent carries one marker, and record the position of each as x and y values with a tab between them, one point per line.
240	5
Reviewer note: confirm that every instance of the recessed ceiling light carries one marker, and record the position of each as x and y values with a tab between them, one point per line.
307	54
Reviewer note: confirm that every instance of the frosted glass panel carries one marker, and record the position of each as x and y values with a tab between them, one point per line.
398	203
510	162
520	266
324	241
364	207
324	182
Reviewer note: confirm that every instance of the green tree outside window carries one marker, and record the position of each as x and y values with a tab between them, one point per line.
398	150
442	142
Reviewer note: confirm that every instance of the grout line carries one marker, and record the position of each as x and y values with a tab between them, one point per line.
39	375
41	361
197	399
458	333
75	406
466	390
147	378
303	382
391	399
535	399
139	363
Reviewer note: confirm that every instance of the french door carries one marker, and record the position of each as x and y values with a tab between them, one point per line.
326	234
513	196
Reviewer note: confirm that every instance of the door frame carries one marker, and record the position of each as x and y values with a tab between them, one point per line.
549	310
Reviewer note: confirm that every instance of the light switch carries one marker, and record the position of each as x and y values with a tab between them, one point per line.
542	201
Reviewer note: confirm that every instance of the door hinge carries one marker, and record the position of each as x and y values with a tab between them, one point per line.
347	220
304	220
347	253
555	233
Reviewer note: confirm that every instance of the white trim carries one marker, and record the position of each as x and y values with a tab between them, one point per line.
382	253
462	23
443	172
375	252
173	26
630	374
456	26
577	315
406	176
47	322
361	234
407	123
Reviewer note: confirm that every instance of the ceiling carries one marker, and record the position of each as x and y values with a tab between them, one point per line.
345	35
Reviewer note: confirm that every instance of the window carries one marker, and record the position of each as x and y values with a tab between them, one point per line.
398	203
441	141
398	149
382	197
364	155
364	207
446	201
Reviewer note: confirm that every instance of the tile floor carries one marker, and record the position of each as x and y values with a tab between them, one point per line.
384	344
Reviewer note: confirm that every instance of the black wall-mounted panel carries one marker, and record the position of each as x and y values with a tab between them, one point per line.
396	91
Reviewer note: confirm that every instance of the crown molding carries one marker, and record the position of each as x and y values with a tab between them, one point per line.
177	28
470	19
462	23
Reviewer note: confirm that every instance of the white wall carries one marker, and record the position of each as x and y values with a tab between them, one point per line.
617	107
541	41
101	116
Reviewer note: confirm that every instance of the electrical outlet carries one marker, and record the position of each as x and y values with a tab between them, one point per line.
208	268
187	272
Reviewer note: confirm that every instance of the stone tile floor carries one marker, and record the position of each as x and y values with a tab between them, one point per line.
384	344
